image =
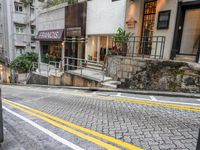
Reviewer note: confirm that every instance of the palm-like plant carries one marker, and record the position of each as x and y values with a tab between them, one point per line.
121	38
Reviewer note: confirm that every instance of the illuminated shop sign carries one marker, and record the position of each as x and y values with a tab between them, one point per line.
50	35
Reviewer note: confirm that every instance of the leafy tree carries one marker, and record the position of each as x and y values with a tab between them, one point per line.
23	63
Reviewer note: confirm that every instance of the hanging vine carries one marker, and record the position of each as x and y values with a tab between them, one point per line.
27	2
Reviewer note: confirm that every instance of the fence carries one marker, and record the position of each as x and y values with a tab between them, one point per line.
52	67
137	46
71	63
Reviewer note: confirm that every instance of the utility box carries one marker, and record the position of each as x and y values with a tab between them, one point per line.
1	120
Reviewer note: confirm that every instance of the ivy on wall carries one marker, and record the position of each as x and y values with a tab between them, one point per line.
51	3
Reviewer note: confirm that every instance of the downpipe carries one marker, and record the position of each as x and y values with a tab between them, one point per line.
1	120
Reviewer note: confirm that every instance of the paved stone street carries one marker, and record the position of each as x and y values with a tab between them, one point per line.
149	127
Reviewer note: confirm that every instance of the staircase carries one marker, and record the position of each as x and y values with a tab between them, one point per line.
94	66
186	58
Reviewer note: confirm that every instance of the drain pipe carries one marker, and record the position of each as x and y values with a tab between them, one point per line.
1	120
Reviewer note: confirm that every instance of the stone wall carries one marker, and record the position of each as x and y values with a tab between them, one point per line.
149	74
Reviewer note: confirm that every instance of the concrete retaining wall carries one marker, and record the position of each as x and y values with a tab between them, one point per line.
149	74
72	80
37	79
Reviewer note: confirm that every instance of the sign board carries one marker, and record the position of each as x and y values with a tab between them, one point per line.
50	35
76	31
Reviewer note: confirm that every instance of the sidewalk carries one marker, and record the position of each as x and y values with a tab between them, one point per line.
158	93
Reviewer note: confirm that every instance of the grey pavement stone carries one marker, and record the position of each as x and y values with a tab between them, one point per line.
148	127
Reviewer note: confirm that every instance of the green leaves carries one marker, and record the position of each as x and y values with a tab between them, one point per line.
27	2
24	62
122	36
51	3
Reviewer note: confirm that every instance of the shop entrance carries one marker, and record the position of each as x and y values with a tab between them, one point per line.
51	51
98	47
187	31
148	26
191	32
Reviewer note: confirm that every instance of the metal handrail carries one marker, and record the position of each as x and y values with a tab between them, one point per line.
81	66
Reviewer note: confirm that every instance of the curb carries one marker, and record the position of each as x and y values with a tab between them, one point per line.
156	93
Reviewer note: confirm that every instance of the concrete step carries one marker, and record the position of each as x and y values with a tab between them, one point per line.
186	58
95	66
111	84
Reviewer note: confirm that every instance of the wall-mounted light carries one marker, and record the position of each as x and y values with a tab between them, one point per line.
131	14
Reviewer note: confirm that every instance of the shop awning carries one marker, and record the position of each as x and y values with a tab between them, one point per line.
51	35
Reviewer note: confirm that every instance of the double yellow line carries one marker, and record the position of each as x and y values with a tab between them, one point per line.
128	100
96	138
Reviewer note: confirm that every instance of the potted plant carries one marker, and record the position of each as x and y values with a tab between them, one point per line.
121	39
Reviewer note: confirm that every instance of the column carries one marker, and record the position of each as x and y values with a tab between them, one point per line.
98	48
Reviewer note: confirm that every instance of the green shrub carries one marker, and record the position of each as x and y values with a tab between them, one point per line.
23	63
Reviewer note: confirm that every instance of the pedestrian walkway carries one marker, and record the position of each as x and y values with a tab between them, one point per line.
91	74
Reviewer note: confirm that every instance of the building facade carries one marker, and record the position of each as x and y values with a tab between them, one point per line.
4	70
20	26
161	29
167	29
175	20
103	19
50	33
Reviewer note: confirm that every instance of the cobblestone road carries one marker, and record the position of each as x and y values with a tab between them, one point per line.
148	127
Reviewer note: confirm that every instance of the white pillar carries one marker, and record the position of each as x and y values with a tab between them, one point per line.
107	42
98	48
63	55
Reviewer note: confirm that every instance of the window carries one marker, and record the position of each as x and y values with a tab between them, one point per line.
20	50
32	10
163	19
33	30
33	48
19	29
18	7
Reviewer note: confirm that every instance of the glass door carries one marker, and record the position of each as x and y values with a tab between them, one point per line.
191	32
148	26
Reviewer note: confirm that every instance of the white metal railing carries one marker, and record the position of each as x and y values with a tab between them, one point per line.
67	64
47	68
78	63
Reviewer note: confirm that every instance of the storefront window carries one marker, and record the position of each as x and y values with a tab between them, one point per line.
98	47
51	51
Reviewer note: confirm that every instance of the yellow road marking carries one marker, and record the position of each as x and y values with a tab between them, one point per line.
79	134
142	102
99	135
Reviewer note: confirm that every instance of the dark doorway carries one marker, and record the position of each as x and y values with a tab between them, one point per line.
187	30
